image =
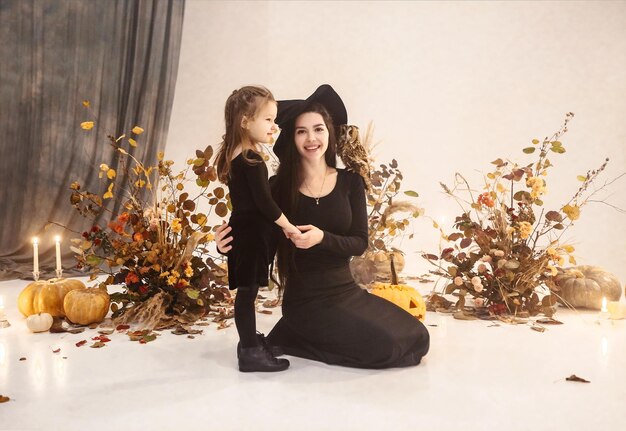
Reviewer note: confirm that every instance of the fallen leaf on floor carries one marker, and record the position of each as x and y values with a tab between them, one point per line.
64	357
58	325
493	324
22	358
4	399
202	324
122	327
191	337
264	311
538	328
137	335
575	378
106	331
97	345
460	315
549	321
56	350
433	326
148	338
81	343
101	338
271	303
75	330
223	324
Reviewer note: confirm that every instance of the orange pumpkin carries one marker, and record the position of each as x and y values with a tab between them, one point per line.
46	296
403	296
86	306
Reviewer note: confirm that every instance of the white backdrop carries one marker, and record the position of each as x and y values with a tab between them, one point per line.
449	86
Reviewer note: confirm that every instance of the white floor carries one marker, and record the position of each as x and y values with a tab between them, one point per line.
476	377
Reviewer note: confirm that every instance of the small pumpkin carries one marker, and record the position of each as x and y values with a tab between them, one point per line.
584	286
87	305
382	262
403	296
46	296
40	322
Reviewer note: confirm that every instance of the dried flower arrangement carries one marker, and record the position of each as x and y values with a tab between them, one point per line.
156	247
506	247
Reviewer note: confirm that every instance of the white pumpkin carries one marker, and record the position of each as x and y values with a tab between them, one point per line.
40	322
584	286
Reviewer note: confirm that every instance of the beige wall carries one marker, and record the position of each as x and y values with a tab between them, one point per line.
450	87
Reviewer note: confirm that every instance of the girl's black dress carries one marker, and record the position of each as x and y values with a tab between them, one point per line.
326	316
252	222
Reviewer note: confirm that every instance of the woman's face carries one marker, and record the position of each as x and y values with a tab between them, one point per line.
311	135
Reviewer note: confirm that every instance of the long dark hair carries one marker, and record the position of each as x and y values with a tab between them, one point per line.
243	102
287	183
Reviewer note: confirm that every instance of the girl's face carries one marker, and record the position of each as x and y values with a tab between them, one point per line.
261	128
311	135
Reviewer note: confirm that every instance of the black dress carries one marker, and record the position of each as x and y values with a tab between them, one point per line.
252	223
326	316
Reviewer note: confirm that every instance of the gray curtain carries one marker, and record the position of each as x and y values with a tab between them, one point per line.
122	56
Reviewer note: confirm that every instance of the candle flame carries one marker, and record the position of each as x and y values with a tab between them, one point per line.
604	309
35	240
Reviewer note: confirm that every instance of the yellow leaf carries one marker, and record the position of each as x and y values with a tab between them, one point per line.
500	188
123	151
171	208
87	125
201	219
572	260
160	155
137	130
104	167
435	225
140	183
132	142
535	141
581	178
86	103
179	186
572	212
111	174
109	193
75	185
568	248
491	176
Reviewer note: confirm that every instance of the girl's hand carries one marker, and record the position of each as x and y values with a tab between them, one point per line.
309	237
222	239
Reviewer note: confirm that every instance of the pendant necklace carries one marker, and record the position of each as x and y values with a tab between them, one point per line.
317	199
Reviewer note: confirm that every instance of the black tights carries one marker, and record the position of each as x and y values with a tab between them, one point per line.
245	315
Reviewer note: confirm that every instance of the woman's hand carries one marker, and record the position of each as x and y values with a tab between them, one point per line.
222	238
309	237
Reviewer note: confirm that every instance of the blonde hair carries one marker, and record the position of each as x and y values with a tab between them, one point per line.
243	102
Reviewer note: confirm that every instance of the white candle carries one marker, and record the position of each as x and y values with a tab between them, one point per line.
604	309
57	240
35	255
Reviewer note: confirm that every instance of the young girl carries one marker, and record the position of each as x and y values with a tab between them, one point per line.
249	114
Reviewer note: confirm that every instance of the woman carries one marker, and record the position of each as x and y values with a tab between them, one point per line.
326	316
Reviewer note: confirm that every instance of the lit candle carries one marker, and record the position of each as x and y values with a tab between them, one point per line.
57	240
604	313
35	255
